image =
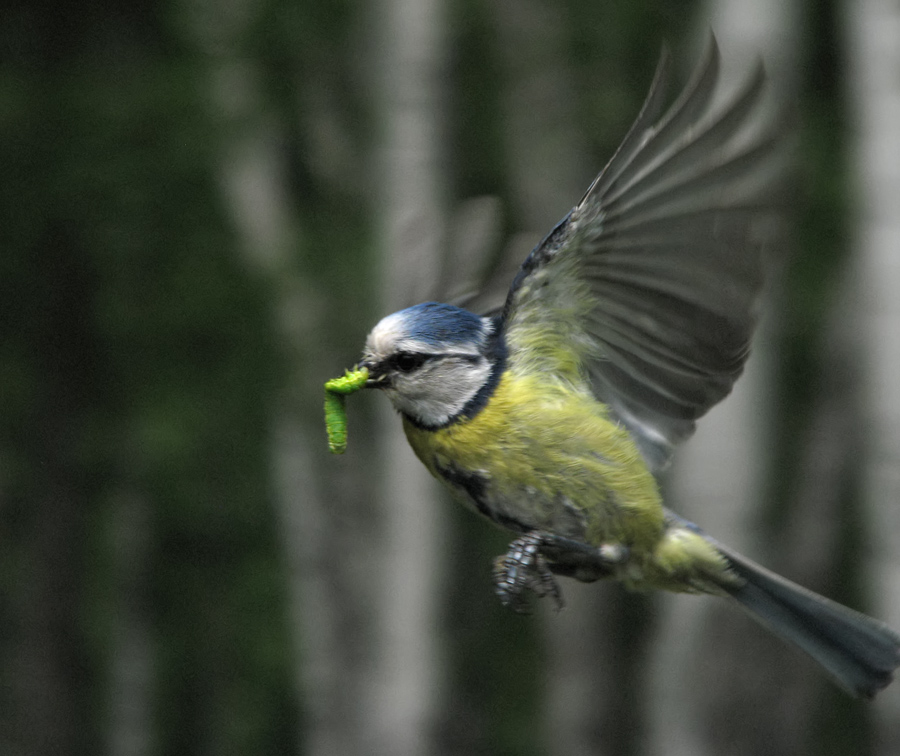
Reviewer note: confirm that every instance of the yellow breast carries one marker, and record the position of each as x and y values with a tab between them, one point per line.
541	446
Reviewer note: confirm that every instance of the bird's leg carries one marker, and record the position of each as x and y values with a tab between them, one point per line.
582	561
522	569
533	559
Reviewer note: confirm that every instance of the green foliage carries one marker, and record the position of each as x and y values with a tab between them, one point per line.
137	347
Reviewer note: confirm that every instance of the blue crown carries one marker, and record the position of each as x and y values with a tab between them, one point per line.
439	324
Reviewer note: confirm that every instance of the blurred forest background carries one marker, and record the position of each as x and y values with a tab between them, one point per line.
205	206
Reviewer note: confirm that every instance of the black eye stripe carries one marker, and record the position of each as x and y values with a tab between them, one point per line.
407	362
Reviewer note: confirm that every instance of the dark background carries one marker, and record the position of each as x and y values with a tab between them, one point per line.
199	206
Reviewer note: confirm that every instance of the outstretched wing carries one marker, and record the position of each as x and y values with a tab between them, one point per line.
649	286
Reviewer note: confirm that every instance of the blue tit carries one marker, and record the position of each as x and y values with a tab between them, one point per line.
623	326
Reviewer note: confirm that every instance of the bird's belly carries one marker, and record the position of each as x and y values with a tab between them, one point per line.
566	470
510	503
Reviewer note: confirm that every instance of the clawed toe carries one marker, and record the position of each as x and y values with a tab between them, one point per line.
524	569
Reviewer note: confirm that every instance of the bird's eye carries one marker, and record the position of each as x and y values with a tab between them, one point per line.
406	362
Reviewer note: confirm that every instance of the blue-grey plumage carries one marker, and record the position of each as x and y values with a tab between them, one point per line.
624	325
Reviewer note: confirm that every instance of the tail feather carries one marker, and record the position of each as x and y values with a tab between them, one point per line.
859	652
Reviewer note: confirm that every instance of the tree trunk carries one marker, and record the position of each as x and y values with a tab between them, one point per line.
131	729
411	178
323	551
873	29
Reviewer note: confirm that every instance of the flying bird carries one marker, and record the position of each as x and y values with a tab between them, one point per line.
629	320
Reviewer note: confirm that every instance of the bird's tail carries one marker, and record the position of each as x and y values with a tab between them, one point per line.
859	652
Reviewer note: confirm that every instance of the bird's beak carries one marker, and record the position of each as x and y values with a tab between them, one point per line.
377	377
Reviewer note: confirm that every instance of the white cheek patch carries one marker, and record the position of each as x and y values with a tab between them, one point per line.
440	394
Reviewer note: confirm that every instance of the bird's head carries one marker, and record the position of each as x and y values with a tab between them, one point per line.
431	360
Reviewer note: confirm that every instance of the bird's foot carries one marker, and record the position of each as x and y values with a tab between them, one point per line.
533	559
523	569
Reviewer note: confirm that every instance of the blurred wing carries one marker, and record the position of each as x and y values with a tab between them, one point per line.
650	284
475	234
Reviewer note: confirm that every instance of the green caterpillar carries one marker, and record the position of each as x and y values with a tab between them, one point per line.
335	416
